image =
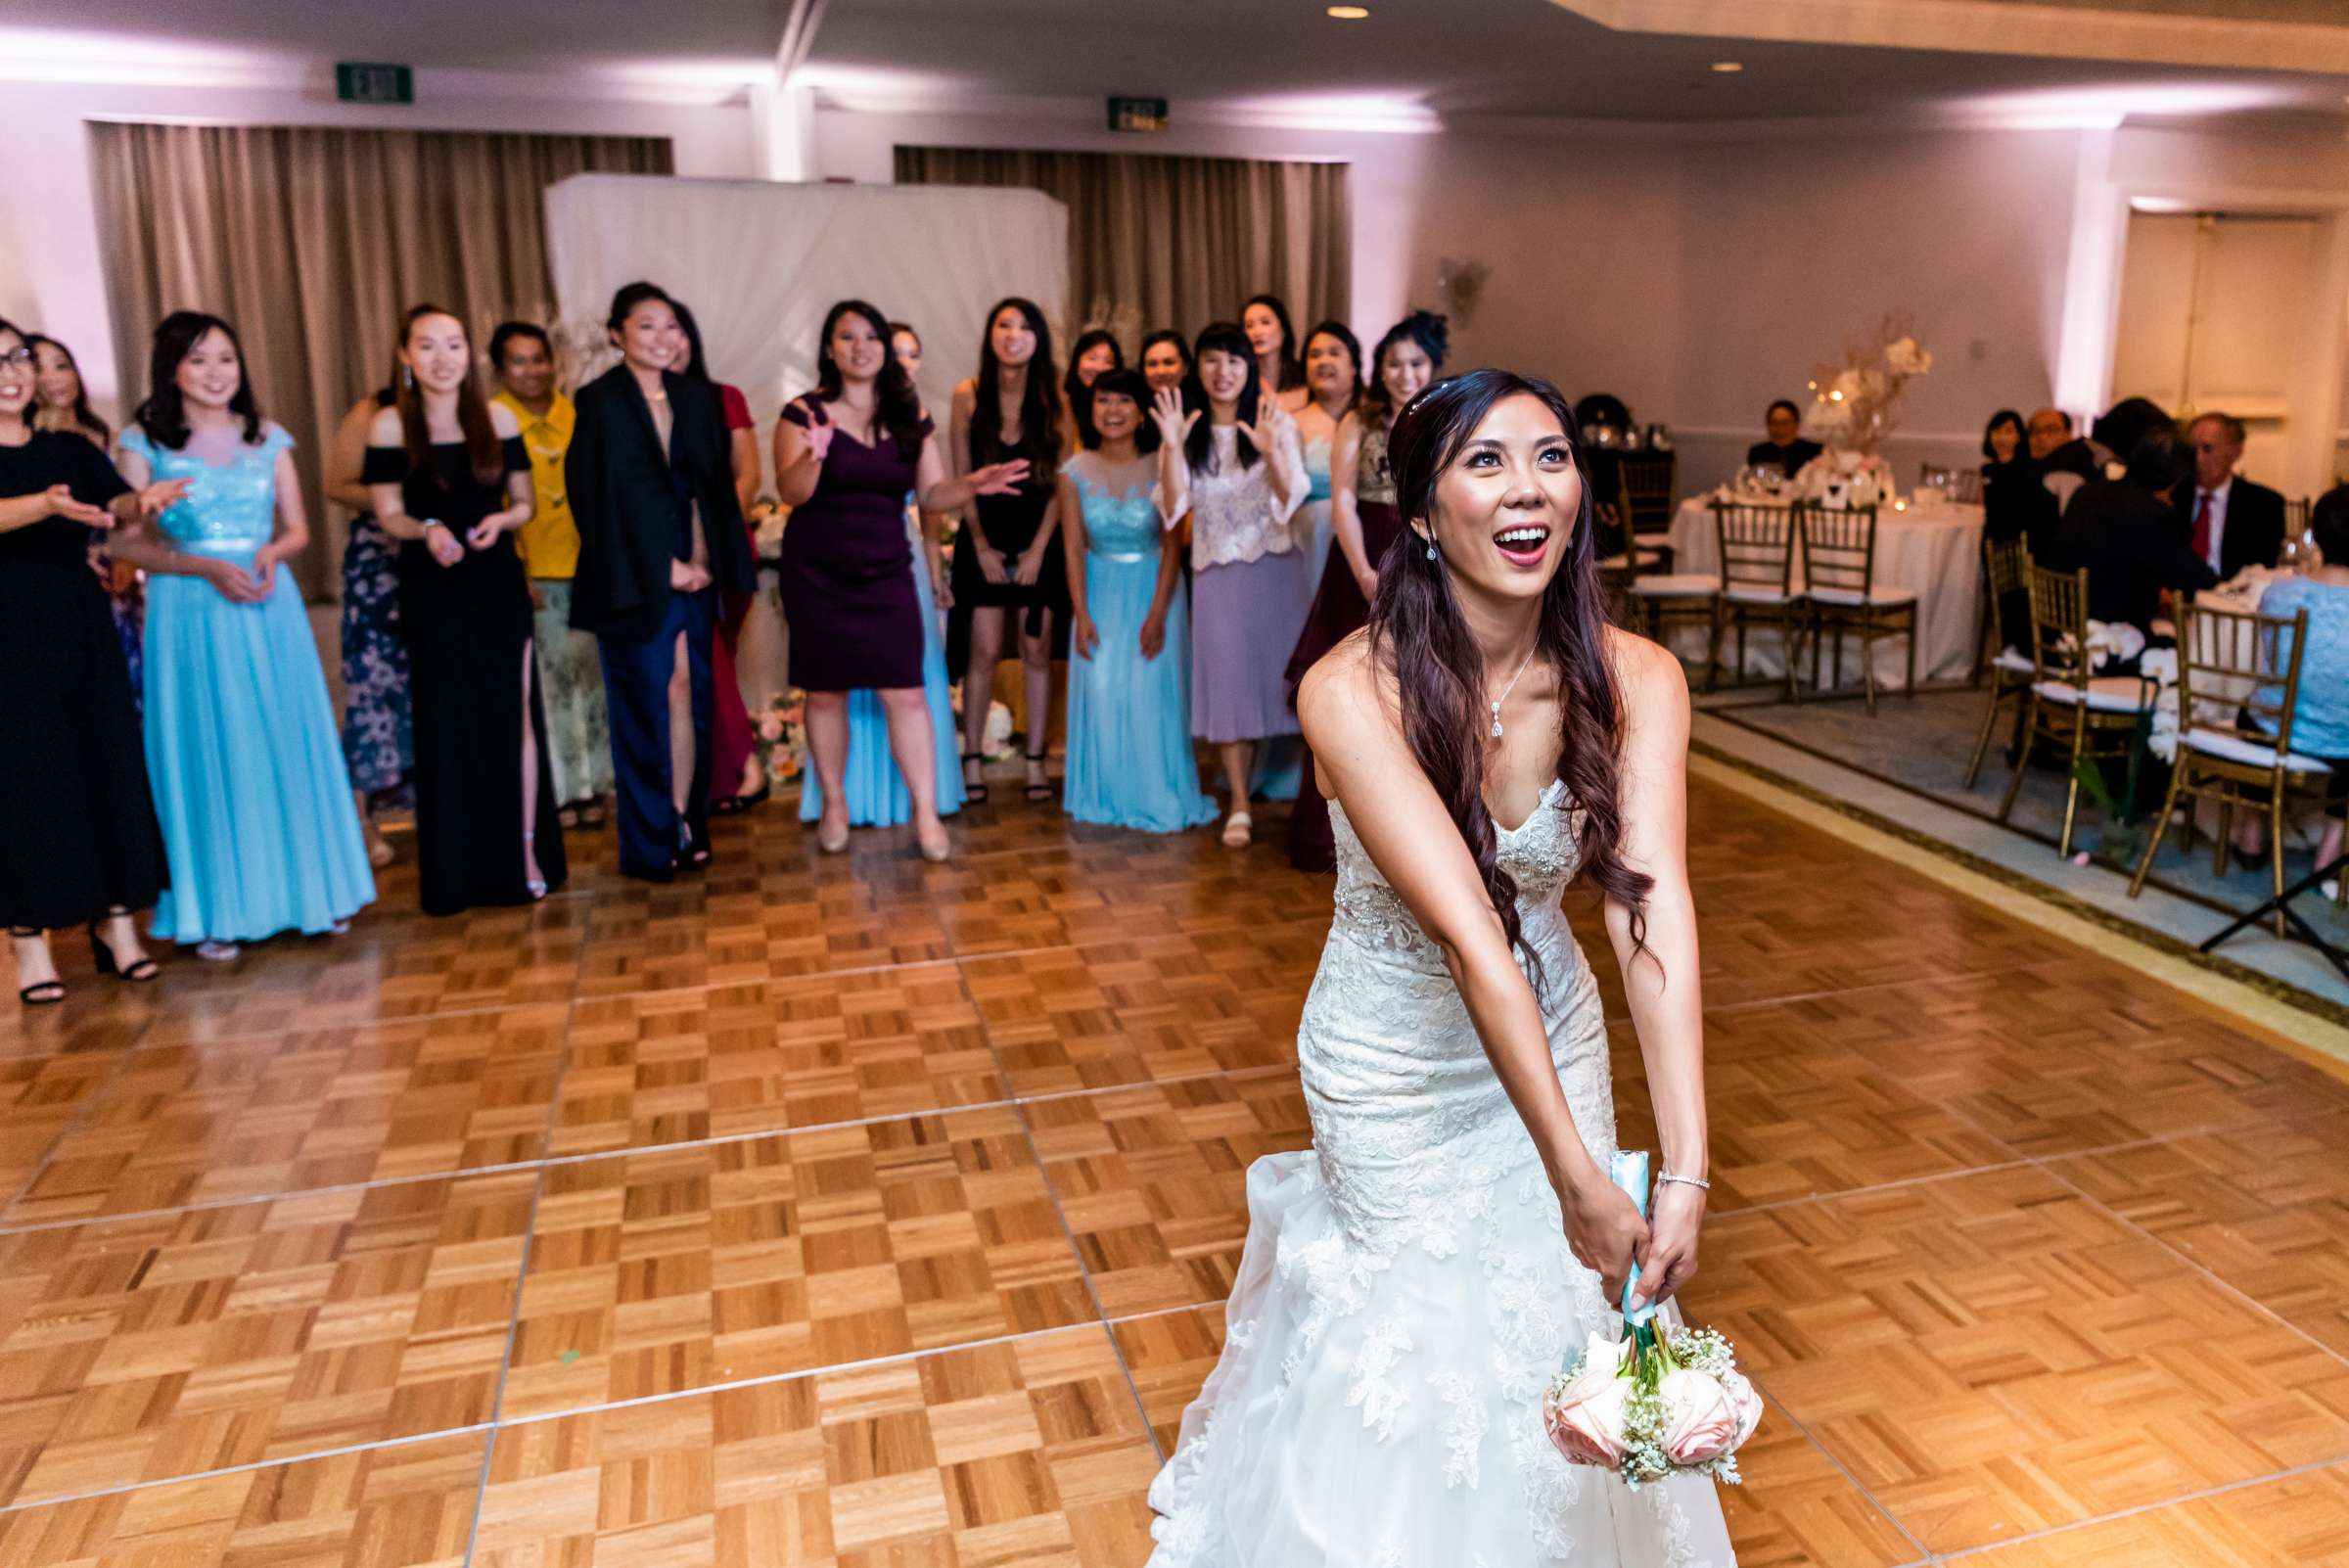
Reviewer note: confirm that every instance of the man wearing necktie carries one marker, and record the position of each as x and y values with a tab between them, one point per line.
2230	523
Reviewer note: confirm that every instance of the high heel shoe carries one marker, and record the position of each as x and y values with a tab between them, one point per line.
974	791
691	851
41	993
828	842
139	972
1036	793
534	886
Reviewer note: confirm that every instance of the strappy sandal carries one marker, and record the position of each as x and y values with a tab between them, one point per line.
535	886
1238	829
138	973
1038	794
974	790
41	993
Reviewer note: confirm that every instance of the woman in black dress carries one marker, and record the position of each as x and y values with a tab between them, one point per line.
1008	556
79	841
452	482
651	476
847	456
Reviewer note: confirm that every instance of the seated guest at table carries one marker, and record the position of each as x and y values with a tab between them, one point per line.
2049	429
2125	532
2008	474
2321	720
1785	450
2230	522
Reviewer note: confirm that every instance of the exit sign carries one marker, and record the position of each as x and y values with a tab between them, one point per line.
1138	113
358	82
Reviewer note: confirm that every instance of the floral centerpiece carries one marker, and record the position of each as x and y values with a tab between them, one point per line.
782	729
767	518
1855	404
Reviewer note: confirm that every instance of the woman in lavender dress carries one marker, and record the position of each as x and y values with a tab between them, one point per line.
1231	460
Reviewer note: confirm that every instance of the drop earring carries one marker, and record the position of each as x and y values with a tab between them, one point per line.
1431	552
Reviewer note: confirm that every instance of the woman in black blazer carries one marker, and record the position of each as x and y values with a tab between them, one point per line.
651	479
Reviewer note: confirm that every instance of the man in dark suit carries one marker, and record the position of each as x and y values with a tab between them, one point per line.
2230	522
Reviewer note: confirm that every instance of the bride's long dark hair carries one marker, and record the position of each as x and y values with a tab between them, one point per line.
1417	629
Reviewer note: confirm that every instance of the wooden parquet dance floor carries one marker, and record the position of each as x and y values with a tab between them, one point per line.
861	1211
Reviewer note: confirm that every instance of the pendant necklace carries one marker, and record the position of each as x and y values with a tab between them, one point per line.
1512	687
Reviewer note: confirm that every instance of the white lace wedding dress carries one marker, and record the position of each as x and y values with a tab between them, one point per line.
1406	1291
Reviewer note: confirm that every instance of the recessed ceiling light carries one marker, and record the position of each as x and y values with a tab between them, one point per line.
1350	12
1729	67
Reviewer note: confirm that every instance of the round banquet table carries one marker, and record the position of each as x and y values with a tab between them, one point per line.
1936	550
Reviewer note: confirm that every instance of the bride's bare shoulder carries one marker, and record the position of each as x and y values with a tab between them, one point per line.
1645	672
1345	678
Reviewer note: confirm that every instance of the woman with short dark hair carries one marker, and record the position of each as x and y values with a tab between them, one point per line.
651	475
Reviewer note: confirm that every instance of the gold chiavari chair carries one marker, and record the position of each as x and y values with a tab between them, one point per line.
1842	595
2004	565
2238	686
1757	583
2089	715
1656	603
1649	496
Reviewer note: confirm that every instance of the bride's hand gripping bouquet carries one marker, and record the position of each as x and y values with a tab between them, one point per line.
1656	1402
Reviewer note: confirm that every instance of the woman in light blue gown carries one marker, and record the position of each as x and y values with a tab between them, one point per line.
1130	762
250	784
876	790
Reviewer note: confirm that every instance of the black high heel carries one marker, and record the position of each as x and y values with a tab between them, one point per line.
975	791
1040	793
41	993
140	972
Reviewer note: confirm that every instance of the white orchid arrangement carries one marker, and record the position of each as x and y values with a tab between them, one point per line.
1856	400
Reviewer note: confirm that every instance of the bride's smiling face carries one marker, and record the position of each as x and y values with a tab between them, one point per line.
1507	503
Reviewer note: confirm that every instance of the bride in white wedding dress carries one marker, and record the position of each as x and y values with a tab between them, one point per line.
1412	1281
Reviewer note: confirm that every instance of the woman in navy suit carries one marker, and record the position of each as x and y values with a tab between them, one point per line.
651	478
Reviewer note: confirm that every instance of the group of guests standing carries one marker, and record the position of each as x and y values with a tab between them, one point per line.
512	554
1167	528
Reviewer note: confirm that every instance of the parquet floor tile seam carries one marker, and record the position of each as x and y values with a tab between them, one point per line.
2217	1280
407	1440
2070	1526
1068	1231
591	1156
521	1271
2045	1165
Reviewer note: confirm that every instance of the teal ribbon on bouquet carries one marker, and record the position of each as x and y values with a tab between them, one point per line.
1628	1170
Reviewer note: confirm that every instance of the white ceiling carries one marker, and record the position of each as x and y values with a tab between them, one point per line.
1452	59
1457	56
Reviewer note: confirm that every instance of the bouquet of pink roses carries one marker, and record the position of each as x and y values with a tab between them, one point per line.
1650	1404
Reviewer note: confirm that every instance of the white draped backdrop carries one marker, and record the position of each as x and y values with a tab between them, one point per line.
760	262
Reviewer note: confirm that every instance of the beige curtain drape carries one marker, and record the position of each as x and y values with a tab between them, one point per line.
314	239
1177	242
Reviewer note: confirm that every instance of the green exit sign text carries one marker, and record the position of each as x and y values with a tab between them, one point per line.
358	82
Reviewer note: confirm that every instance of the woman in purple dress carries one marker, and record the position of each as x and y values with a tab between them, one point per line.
1363	524
846	454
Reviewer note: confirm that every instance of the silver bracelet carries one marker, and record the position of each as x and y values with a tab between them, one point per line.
1688	1181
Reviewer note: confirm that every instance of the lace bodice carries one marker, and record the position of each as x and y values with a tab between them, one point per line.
1391	1064
231	507
1117	522
1235	517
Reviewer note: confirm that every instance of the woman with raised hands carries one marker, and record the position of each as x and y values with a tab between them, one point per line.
1231	460
845	455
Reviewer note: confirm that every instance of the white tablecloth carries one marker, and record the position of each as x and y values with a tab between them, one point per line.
1937	552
